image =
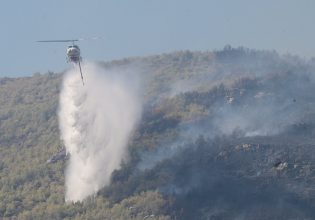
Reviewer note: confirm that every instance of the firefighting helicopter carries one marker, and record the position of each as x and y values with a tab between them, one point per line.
73	52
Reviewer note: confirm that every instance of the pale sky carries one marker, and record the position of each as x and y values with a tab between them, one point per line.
146	27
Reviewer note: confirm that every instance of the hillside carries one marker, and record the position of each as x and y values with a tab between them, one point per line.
226	134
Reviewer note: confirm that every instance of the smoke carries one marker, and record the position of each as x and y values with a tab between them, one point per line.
258	95
96	121
234	124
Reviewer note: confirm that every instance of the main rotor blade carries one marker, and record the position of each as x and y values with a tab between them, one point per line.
48	41
91	38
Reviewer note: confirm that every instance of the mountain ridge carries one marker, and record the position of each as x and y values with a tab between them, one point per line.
214	125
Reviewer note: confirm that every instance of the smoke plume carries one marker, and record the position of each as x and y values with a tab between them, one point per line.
249	94
96	121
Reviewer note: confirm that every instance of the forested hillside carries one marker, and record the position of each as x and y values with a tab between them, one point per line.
226	134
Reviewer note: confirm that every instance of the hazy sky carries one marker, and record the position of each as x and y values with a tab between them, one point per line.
143	27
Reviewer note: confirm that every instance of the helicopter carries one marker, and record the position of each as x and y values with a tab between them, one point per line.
73	52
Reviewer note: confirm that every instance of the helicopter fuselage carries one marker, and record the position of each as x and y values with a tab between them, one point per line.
73	54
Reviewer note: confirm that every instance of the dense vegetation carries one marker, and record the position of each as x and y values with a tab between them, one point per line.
224	135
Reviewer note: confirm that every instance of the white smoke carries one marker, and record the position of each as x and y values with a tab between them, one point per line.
96	121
